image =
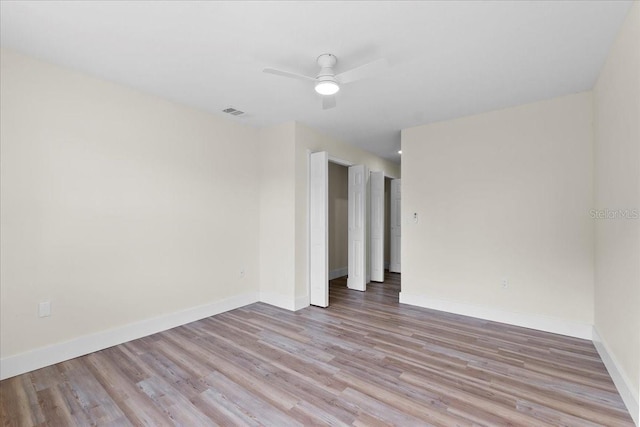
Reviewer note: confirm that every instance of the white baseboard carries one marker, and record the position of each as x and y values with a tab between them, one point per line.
532	321
284	301
56	353
339	272
619	377
277	300
302	302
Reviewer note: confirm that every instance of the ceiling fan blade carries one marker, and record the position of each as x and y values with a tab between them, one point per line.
328	101
363	71
288	74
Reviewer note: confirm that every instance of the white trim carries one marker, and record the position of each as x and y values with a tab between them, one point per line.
619	377
533	321
338	272
278	300
56	353
301	302
386	175
341	162
284	301
308	231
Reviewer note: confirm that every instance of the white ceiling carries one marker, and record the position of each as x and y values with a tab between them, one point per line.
449	59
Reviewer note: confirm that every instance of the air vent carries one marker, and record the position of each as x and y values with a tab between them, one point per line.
233	111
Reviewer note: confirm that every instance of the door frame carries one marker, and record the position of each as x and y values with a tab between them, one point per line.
358	241
376	225
395	262
346	163
318	229
330	159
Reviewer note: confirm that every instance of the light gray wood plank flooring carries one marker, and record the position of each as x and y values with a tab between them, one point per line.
364	361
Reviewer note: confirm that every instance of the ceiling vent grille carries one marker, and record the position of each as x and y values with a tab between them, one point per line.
233	111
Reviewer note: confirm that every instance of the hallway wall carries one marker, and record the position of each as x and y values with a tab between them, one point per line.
338	219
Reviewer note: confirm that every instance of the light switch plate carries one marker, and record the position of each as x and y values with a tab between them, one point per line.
44	309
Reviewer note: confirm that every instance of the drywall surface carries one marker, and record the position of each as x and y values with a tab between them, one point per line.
338	216
117	206
502	196
277	214
387	221
617	190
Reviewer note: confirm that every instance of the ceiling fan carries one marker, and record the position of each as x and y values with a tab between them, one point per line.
327	82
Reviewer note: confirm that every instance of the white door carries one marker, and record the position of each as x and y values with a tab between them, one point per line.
394	256
357	231
318	229
377	226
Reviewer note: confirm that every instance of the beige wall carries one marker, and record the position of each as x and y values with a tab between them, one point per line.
617	186
116	206
387	221
284	152
122	208
338	216
308	140
277	214
504	194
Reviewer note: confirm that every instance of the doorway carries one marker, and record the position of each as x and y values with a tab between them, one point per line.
387	222
319	226
384	226
338	220
364	229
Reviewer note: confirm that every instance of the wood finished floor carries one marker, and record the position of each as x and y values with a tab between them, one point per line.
364	361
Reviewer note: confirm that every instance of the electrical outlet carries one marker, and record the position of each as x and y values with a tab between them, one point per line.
44	309
505	283
242	272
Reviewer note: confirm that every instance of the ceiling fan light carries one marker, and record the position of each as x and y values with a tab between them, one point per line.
327	87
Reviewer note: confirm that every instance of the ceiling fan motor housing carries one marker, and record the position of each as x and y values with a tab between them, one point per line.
326	83
326	62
